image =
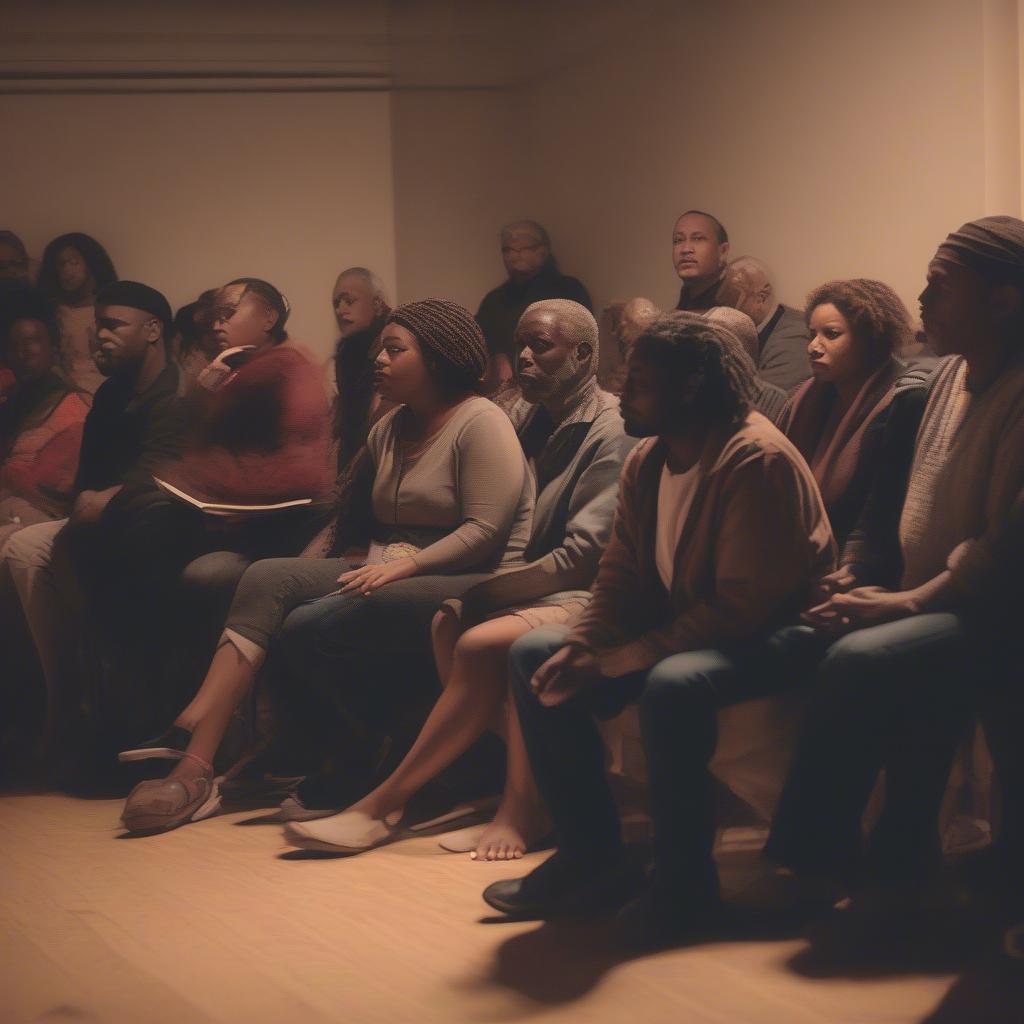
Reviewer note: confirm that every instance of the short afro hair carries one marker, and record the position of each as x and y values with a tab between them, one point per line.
877	316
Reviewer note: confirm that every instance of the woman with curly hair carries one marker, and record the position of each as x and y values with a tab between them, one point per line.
837	418
74	268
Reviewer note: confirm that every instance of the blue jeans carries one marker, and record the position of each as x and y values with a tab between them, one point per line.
894	696
679	699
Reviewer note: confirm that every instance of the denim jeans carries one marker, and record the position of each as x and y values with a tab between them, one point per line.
679	699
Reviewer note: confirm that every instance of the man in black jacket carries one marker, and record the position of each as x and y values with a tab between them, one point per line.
533	275
135	423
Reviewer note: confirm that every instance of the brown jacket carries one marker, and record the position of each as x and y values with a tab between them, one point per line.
755	539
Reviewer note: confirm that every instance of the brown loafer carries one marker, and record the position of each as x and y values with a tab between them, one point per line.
158	805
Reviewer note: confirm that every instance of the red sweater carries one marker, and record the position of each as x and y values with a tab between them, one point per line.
263	436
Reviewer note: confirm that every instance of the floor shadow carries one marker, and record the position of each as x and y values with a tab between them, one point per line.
561	961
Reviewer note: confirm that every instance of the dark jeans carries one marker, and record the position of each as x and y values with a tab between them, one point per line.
894	696
679	699
346	668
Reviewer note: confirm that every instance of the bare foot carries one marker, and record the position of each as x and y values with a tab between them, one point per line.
505	839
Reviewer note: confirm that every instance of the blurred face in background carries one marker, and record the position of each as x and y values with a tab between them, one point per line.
523	253
30	350
355	305
73	272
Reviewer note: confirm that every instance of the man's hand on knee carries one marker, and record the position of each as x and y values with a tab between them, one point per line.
566	673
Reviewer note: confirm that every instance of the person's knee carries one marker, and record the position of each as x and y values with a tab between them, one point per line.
213	573
680	701
528	653
31	546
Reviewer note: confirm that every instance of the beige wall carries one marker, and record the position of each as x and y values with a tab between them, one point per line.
460	173
833	140
189	191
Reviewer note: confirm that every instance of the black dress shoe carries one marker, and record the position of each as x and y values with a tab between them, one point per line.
563	887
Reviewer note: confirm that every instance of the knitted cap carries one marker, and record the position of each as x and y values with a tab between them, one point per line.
448	329
137	296
993	246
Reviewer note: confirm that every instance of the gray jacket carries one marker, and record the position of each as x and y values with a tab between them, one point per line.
783	351
578	477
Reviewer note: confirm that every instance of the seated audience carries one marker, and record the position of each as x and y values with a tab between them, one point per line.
837	419
719	534
258	435
74	268
766	398
700	245
572	435
781	354
361	309
40	423
628	322
533	275
451	501
135	424
919	657
14	262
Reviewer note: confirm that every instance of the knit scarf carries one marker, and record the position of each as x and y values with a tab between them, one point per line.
833	460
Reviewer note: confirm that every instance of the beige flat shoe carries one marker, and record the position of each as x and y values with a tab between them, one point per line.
348	833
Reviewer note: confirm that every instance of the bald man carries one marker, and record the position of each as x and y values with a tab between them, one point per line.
781	331
628	321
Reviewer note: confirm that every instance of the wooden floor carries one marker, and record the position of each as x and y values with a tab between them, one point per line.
209	924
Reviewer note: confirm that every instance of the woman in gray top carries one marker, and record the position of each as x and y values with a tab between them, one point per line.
573	436
451	502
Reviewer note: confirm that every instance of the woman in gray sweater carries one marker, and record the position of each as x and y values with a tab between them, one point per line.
573	435
451	503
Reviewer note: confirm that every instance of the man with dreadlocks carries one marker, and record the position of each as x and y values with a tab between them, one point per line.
574	441
719	534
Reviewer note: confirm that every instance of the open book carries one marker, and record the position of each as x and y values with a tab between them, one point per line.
216	508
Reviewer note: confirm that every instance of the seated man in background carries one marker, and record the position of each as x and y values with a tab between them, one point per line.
700	246
719	535
781	355
628	321
533	275
135	423
361	309
943	642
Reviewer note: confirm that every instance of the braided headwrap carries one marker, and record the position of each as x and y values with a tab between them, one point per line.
447	329
992	246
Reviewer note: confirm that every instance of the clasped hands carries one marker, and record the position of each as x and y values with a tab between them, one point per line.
847	607
368	578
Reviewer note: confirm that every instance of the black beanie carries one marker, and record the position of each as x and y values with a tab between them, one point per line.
138	296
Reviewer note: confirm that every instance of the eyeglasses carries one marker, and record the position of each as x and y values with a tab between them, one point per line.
518	250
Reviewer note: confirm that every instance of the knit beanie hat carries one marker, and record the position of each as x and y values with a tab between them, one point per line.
137	296
447	329
992	246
